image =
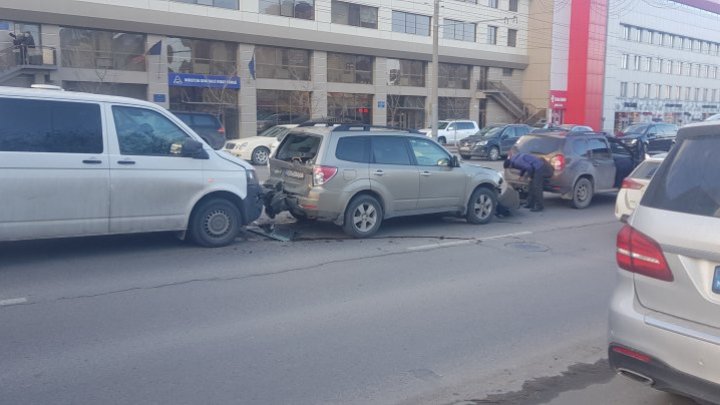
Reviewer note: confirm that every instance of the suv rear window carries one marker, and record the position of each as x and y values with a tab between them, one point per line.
206	121
688	180
542	145
646	170
299	147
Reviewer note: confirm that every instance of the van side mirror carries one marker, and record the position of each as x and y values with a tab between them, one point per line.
194	149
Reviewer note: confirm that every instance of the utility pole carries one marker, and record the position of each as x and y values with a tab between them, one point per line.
435	68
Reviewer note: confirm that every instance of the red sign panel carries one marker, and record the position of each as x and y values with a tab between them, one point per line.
558	99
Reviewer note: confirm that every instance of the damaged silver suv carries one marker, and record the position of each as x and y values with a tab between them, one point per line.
357	175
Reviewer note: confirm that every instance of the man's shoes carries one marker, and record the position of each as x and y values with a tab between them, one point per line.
536	209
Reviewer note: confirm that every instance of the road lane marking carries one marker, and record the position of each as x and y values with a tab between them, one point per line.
440	245
12	301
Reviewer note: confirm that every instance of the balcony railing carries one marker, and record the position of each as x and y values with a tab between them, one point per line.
18	56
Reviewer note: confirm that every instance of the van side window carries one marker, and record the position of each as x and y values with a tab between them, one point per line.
50	126
147	133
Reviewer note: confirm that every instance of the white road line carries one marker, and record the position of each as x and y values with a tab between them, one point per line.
441	245
465	242
12	301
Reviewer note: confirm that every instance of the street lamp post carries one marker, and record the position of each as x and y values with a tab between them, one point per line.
435	67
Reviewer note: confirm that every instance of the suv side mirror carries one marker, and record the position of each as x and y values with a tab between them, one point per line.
194	149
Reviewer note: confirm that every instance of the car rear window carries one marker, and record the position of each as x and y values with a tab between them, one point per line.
542	145
302	148
687	182
645	170
186	118
353	149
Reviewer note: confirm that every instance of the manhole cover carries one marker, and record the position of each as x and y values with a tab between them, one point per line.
528	247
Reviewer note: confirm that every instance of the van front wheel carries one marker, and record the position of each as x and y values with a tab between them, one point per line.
215	223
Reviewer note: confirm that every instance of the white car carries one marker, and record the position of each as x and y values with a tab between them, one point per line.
715	117
257	149
78	164
452	131
634	185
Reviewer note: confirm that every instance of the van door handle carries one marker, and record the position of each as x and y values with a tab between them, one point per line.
425	173
92	161
126	162
379	172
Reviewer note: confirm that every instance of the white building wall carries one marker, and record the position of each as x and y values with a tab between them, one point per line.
672	18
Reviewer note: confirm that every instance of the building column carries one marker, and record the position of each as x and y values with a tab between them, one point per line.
50	37
475	96
380	79
319	105
248	92
428	96
158	90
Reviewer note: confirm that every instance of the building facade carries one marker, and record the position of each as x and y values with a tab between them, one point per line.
256	63
615	62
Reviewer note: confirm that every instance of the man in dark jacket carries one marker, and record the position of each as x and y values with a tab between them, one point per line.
538	169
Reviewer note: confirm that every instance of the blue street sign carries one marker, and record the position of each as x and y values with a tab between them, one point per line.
381	104
159	98
193	80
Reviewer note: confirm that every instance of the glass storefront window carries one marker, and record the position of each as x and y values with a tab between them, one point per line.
282	107
346	68
104	50
304	9
222	103
282	63
18	28
404	72
349	106
453	108
405	111
201	57
453	76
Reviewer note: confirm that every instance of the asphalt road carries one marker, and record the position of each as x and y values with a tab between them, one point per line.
431	311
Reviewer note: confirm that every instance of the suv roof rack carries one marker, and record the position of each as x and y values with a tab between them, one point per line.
367	127
328	122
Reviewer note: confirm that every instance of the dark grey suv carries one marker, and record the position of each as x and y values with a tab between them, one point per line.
584	163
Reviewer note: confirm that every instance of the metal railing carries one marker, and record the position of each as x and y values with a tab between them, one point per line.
19	56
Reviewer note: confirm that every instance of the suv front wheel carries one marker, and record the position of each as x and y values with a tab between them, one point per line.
582	193
481	207
363	216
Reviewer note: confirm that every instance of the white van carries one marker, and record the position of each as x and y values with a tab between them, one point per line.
77	164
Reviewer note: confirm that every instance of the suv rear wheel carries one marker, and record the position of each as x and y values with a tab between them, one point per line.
481	206
582	193
494	153
215	223
363	216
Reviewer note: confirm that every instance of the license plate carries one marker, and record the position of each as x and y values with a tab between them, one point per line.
716	281
294	174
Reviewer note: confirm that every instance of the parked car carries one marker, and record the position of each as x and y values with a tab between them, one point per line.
634	185
584	164
451	131
77	164
206	125
270	120
714	117
493	144
357	176
564	127
257	149
664	323
649	138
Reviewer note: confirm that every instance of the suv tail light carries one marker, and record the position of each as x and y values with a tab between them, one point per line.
631	184
558	162
221	130
323	174
638	253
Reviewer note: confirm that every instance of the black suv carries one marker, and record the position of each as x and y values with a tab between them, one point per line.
206	125
492	142
584	163
649	138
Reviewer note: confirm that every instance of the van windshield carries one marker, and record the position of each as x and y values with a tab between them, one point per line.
301	148
443	124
